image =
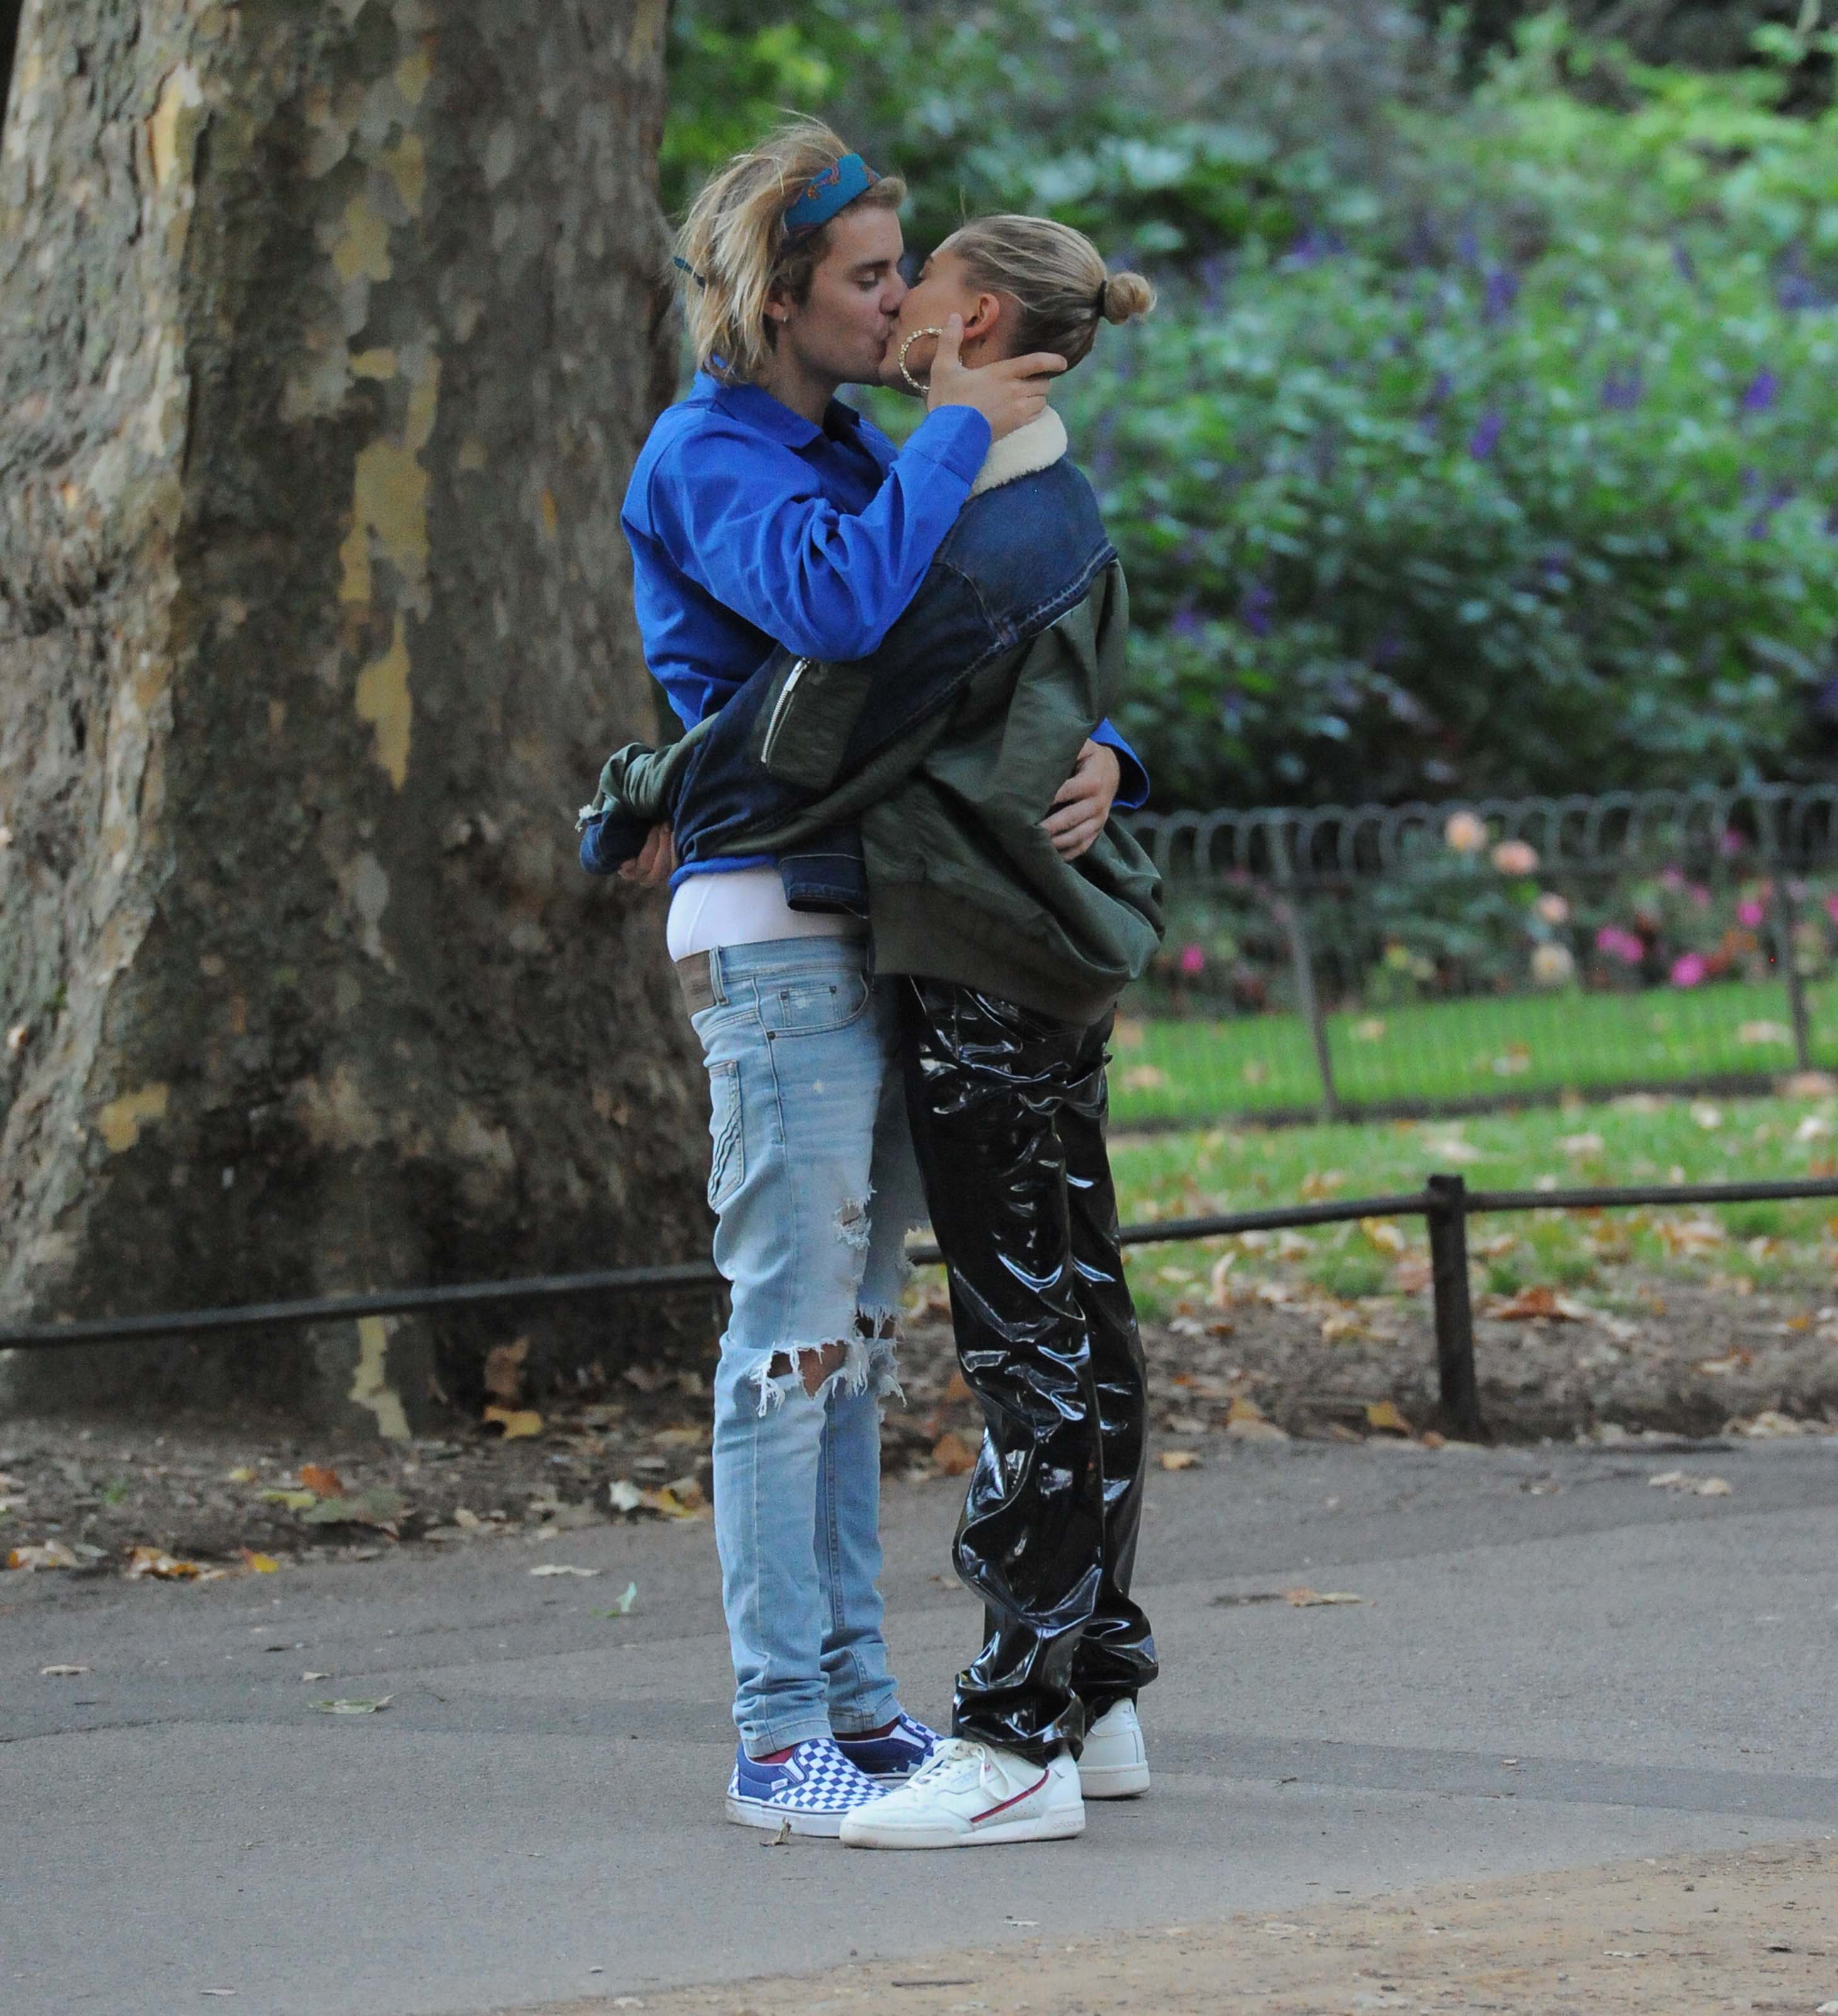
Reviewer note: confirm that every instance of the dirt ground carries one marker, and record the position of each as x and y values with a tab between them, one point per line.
1751	1930
1249	1362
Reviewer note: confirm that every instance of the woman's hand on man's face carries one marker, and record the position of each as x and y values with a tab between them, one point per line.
1008	393
655	863
1082	804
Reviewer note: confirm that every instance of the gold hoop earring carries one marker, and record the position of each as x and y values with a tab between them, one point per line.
921	389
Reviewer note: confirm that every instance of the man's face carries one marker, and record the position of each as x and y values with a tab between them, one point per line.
841	329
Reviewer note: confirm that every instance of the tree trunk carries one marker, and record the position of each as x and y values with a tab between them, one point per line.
327	334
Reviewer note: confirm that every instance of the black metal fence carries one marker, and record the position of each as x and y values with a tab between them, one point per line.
1445	1203
1342	960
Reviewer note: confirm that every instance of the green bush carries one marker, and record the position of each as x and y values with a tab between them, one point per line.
1551	508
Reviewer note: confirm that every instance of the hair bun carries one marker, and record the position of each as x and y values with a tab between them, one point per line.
1127	296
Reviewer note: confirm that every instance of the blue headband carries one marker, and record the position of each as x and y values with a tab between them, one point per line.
834	190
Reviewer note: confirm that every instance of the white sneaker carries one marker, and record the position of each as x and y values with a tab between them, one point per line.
1114	1763
972	1794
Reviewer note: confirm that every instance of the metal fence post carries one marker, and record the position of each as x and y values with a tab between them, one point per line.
1308	1000
1785	918
1447	1221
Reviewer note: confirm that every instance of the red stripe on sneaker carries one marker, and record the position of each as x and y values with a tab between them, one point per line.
1006	1803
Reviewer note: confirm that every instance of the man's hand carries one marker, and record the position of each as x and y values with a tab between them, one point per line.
1082	804
656	862
1008	393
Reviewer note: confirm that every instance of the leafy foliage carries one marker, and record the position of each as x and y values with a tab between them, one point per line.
1480	445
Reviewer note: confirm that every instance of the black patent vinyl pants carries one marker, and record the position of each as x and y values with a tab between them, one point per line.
1007	1109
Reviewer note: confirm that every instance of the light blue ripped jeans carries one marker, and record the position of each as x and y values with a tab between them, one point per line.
814	1184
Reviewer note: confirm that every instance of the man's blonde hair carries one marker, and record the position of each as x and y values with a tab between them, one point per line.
734	243
1055	274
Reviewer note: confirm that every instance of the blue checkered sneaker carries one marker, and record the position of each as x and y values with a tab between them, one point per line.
891	1759
809	1790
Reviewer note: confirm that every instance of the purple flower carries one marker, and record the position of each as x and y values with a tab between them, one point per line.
1184	622
1749	913
1699	895
1693	970
1621	390
1551	566
1672	878
1731	845
1486	437
1832	908
1193	960
1257	607
1616	943
1761	392
1468	249
1681	260
1502	291
1763	522
1313	246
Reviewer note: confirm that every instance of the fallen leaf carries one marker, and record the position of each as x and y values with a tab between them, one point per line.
315	1677
623	1607
1684	1237
1582	1147
1319	1183
60	1673
1516	1058
683	1499
1144	1078
956	1388
952	1455
622	1493
1771	1425
1738	1359
518	1423
504	1371
1382	1414
1339	1323
561	1568
1763	1033
1431	1440
1383	1233
1531	1304
244	1472
322	1480
259	1564
1218	1283
52	1554
1310	1599
1243	1409
1179	1460
1815	1127
1370	1031
1412	1274
1681	1480
295	1501
1708	1116
155	1561
1453	1150
379	1506
351	1706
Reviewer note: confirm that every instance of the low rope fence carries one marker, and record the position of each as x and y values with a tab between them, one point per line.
1445	1203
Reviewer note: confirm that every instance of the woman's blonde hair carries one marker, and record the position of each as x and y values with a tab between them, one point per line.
1057	277
734	244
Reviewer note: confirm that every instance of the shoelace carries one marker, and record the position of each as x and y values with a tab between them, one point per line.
950	1757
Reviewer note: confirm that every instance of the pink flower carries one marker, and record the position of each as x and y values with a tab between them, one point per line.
1193	960
1515	857
1673	878
1618	944
1554	909
1691	970
1832	908
1700	895
1751	913
1731	845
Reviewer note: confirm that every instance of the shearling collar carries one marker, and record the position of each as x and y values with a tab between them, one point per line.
1029	449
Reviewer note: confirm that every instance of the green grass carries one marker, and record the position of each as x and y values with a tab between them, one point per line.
1195	1070
1641	1139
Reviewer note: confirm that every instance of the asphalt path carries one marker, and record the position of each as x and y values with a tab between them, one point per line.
1554	1664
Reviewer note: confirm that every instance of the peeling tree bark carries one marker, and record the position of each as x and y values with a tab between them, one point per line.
328	332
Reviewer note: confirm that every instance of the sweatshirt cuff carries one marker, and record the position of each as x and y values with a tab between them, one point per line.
1132	785
957	439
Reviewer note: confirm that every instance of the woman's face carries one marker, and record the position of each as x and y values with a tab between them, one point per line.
943	288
